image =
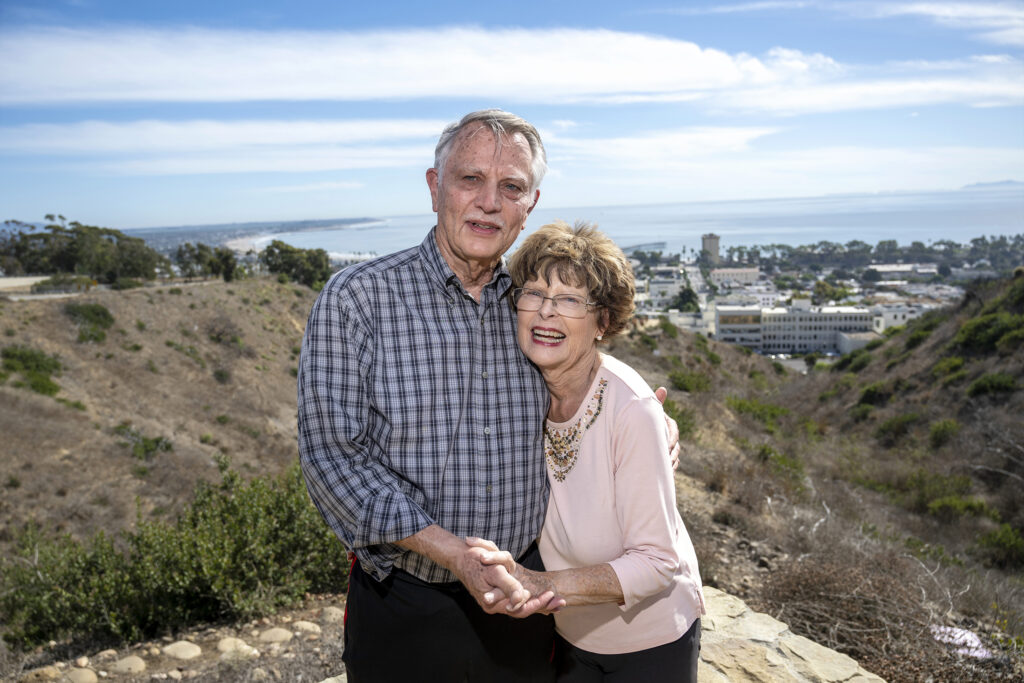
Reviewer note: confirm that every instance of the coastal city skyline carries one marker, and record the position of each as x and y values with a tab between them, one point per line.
129	115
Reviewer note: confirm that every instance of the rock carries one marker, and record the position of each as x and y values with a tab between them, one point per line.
46	673
82	662
106	654
306	627
174	675
183	649
337	679
132	664
81	676
259	674
276	635
332	615
236	649
154	651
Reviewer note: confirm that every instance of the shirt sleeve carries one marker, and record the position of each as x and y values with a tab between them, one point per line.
645	501
357	494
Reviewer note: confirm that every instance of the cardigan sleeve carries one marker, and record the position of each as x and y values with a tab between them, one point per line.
645	501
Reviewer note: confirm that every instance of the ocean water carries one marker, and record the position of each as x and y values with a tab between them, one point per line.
959	215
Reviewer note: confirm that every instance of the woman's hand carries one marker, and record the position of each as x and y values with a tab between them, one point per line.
543	595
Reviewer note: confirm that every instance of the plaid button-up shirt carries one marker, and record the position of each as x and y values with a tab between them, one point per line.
416	407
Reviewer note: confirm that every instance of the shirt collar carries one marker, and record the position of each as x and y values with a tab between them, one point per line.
443	275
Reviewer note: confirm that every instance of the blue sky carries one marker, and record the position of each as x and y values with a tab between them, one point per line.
138	114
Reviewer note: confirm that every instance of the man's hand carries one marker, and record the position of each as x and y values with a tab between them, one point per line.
544	598
487	583
661	393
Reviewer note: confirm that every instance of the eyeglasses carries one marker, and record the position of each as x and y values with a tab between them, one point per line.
566	305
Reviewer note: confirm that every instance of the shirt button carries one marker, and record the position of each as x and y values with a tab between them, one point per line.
489	487
487	430
484	374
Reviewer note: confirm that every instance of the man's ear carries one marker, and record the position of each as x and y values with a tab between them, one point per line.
433	180
536	198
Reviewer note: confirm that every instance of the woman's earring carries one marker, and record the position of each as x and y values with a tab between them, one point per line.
599	337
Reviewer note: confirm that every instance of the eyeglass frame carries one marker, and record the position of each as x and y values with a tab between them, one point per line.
519	291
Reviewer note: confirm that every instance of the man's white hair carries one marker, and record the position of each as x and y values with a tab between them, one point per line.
502	124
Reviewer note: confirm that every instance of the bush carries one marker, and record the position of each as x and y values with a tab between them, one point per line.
876	394
983	333
951	508
92	319
861	412
1004	547
917	338
238	551
34	366
895	428
948	366
992	383
922	488
765	413
143	447
689	381
126	283
942	431
686	419
667	328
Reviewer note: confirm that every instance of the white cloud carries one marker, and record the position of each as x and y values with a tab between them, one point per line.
144	137
53	66
995	22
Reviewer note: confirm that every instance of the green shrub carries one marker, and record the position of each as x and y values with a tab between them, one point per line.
222	375
874	344
783	465
714	358
92	319
861	412
992	383
240	550
143	447
686	419
667	328
947	366
648	341
951	508
176	291
34	366
126	283
916	338
690	381
778	367
958	376
1010	342
893	331
860	358
765	413
983	333
895	428
876	394
1004	547
922	488
942	431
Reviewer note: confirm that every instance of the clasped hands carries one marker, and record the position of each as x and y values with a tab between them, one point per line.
513	589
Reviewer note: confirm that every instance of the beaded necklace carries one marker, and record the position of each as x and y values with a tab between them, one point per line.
562	446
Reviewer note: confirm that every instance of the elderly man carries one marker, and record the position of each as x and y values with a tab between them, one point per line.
421	423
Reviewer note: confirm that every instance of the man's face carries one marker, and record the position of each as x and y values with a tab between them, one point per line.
483	197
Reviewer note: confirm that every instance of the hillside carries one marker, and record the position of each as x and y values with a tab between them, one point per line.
784	483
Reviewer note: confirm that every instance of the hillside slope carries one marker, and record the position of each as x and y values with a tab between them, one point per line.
784	484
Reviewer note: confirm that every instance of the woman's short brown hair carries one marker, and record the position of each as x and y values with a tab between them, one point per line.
581	256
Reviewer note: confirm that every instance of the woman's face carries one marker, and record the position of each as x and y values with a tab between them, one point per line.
551	340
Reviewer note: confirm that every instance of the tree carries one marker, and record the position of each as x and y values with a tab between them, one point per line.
685	300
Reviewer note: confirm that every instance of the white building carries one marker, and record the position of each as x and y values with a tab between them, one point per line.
884	317
799	328
734	277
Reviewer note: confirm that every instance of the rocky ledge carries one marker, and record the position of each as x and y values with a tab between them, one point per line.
737	645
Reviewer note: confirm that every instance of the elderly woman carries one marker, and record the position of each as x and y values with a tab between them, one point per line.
613	542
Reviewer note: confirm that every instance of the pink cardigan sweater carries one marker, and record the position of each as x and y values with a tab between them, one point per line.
618	505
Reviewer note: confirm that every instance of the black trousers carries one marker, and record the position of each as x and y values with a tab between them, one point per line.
403	629
675	661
